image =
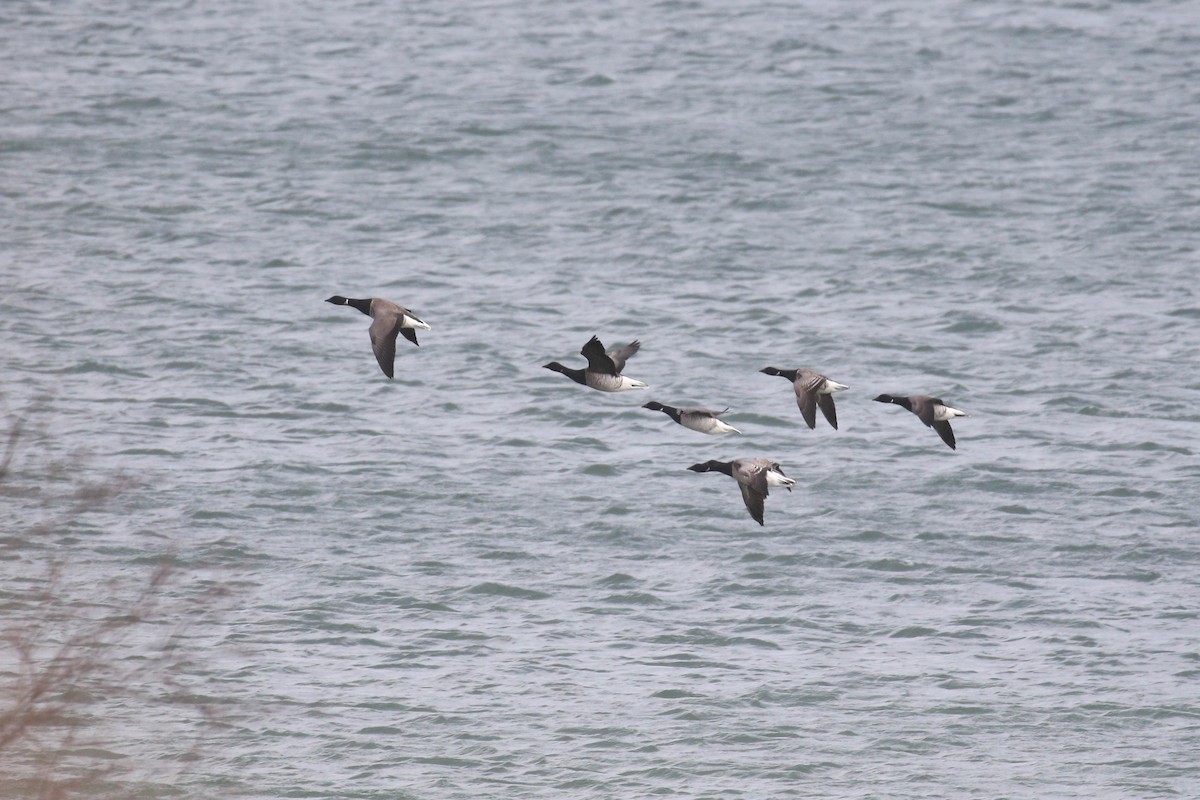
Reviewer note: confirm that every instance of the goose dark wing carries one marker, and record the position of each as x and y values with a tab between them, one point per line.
828	409
944	431
922	406
807	401
622	354
383	342
766	465
753	474
754	501
598	360
701	412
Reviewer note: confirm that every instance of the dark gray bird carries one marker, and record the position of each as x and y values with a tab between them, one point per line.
704	420
603	371
754	477
930	410
387	321
812	389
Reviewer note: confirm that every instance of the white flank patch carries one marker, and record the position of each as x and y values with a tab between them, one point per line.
943	413
778	479
720	428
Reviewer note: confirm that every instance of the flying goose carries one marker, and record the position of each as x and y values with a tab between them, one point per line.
388	320
603	371
704	420
931	410
812	389
754	477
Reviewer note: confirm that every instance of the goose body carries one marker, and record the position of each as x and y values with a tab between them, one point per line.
388	320
603	372
754	476
704	420
812	390
930	410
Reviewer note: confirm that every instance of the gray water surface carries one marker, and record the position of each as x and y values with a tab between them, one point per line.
482	580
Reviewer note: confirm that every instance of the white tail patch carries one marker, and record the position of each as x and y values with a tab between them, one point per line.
719	428
833	386
943	413
412	322
629	383
778	479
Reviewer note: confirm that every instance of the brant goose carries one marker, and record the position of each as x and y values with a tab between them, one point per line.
931	410
812	390
754	476
603	371
704	420
388	319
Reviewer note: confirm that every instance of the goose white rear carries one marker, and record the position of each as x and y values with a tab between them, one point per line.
409	321
945	413
775	478
625	385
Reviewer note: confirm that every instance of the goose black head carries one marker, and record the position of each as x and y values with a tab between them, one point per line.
363	305
713	465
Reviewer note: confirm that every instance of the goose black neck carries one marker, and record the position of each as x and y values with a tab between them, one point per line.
790	374
363	305
903	402
574	374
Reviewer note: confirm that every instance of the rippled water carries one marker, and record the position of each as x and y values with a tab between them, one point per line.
482	580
